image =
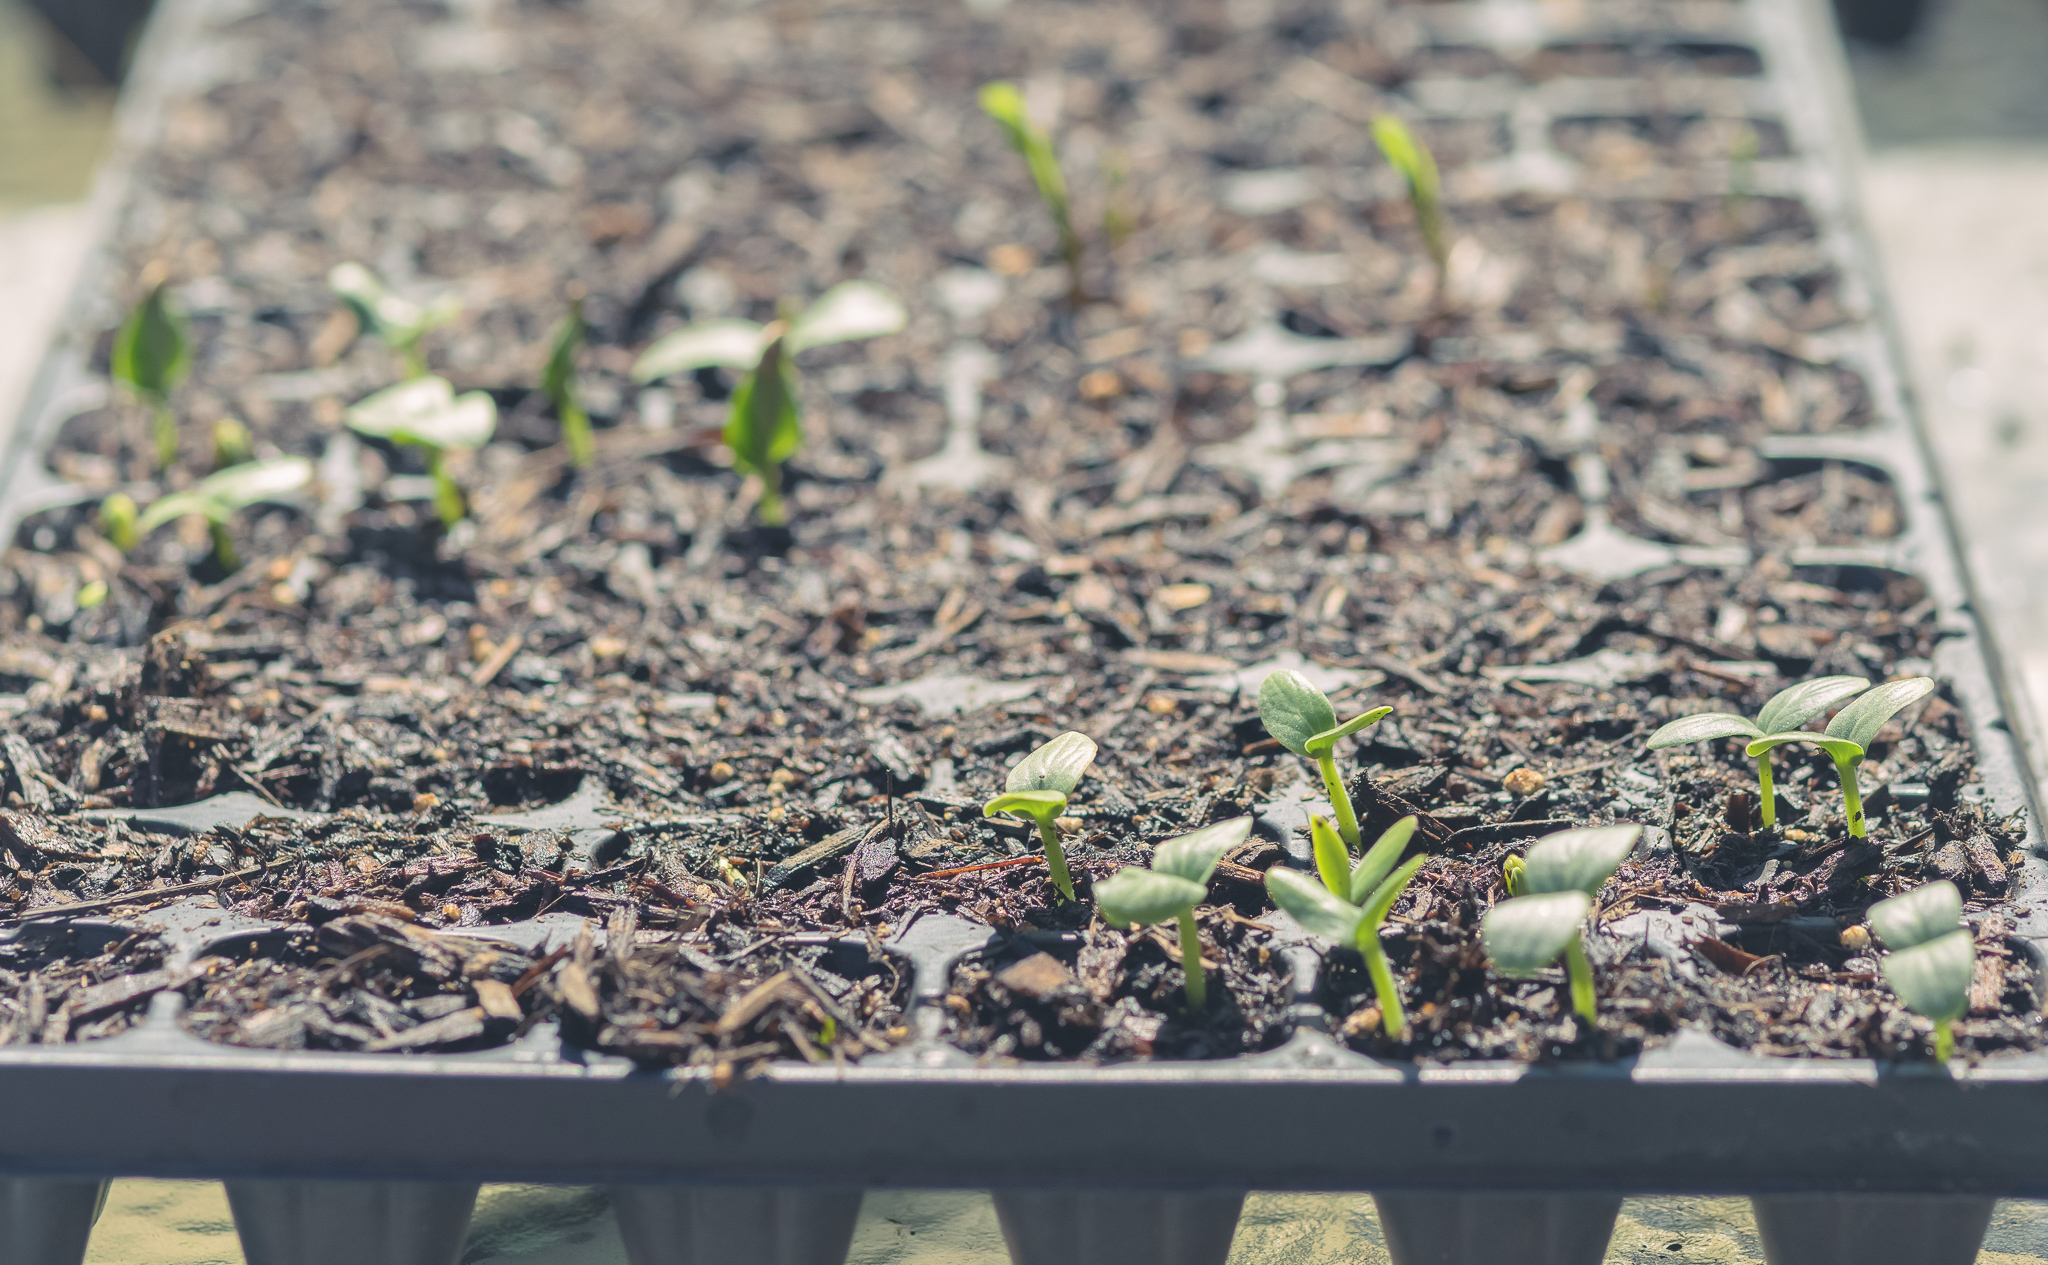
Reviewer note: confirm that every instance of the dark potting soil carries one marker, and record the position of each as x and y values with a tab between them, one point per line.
76	983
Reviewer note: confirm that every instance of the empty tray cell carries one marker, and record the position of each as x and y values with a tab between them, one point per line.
77	982
1819	503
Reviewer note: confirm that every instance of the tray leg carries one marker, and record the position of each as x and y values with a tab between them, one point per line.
1049	1227
710	1225
351	1223
1447	1228
45	1221
1871	1229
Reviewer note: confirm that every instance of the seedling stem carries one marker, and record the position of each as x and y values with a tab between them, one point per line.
1576	965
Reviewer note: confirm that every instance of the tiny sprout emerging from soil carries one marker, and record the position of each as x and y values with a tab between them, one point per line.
1787	709
118	516
1352	901
559	381
764	428
1417	166
151	356
1550	893
1850	734
218	497
232	444
1300	718
1932	958
1170	890
1004	103
426	413
398	323
1038	788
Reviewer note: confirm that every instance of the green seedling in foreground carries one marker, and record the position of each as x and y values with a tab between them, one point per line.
1417	166
118	516
559	381
1550	892
1788	709
1300	718
151	356
1170	890
1850	733
1004	103
1932	958
1352	901
764	428
1038	788
426	413
218	498
396	322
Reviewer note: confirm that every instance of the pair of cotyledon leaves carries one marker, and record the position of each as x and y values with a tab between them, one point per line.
1932	956
1559	878
428	413
391	318
1847	736
1300	718
1373	885
223	492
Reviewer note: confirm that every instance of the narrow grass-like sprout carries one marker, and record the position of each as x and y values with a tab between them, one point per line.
1787	709
1300	718
1849	735
1038	787
218	497
764	428
151	356
1932	958
1170	890
425	413
397	322
559	381
1550	894
1349	907
1004	103
1417	166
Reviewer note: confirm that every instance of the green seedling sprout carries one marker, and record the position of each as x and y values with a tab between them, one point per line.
1352	901
1300	718
1932	958
1850	733
426	413
151	356
118	516
1550	892
1004	103
218	497
233	445
764	428
1038	788
1417	166
1170	890
559	381
1788	709
396	322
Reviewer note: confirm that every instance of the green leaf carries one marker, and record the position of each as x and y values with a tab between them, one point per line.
763	429
1141	896
119	520
1384	854
1525	935
1311	904
1333	858
1793	707
1327	739
1933	979
395	321
1840	748
1702	727
1913	918
1293	710
1037	805
177	505
427	412
849	310
1407	155
1193	856
1004	102
1389	891
1059	765
151	353
253	481
725	344
1577	860
1860	720
558	380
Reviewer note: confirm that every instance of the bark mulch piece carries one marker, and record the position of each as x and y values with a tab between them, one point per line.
77	983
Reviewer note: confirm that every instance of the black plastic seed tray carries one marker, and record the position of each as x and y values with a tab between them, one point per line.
374	1157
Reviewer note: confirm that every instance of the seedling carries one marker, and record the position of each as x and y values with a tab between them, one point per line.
1170	890
151	356
118	516
1352	901
1300	718
1932	958
426	413
559	381
233	445
1038	788
1850	733
1788	709
396	322
1005	104
217	497
1417	166
1550	893
764	428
